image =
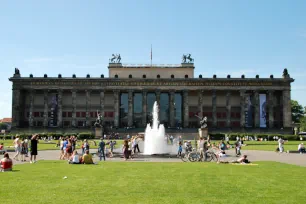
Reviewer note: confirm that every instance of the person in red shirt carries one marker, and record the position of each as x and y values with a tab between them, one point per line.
6	164
1	146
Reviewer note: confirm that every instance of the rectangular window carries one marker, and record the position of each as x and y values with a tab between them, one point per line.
69	114
92	114
66	123
78	114
83	114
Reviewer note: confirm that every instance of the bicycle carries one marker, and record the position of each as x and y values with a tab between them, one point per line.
211	156
194	156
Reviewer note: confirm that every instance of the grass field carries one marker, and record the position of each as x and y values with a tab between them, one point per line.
135	182
251	145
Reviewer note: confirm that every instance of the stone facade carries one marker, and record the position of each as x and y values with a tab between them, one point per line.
223	100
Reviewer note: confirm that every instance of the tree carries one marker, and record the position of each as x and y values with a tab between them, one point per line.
297	111
303	124
3	126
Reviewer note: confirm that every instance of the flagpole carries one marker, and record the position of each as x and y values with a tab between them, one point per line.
151	55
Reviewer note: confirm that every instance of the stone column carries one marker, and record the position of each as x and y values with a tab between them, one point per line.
228	109
46	111
287	118
59	108
88	102
116	107
271	109
257	109
144	108
242	108
102	102
74	93
186	108
200	105
172	108
214	108
31	117
16	108
130	108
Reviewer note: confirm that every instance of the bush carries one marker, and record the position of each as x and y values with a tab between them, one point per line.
85	135
217	136
6	137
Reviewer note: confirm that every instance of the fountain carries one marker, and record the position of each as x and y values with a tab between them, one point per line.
155	142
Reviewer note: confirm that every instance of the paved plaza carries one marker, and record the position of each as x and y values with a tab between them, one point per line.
253	155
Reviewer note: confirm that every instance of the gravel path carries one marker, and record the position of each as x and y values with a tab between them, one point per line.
253	155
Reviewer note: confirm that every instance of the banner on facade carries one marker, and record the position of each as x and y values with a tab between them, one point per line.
262	102
249	110
53	110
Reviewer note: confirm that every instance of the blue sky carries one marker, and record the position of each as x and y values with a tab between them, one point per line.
224	37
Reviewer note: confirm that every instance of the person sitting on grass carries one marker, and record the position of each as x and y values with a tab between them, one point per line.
6	164
75	158
301	148
87	158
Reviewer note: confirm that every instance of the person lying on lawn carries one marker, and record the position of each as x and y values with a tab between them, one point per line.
241	160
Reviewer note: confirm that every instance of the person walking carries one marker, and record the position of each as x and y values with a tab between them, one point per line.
180	149
34	143
125	149
26	143
17	148
23	150
102	149
281	145
111	148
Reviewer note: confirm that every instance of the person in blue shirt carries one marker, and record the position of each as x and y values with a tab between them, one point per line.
102	149
180	149
65	144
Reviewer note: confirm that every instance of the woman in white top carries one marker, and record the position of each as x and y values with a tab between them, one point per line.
62	153
75	158
17	148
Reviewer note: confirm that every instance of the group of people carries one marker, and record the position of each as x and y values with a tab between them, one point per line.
130	146
75	158
22	148
67	146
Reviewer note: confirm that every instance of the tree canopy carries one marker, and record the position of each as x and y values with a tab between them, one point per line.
298	111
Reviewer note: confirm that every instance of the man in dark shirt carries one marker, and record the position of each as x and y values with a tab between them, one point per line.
102	149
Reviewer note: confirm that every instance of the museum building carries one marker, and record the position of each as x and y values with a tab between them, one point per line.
126	97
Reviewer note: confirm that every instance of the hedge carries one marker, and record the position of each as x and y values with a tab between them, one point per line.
233	136
85	135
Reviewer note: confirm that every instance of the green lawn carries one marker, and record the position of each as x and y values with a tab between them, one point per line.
136	182
270	145
42	145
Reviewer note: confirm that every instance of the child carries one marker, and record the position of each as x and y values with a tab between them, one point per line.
23	150
180	149
111	148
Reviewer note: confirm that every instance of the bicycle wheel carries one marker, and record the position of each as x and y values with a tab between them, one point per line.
209	156
193	156
214	157
184	157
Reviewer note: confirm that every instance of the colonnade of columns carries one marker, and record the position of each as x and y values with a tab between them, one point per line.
16	106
